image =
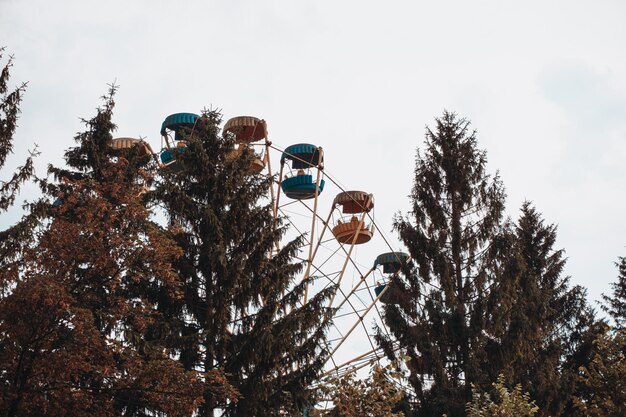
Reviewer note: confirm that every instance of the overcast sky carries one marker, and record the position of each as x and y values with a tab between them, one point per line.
544	84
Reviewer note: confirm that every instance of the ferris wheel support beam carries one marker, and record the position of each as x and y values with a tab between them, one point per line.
275	207
269	173
319	242
268	145
356	287
352	245
359	320
167	141
320	167
349	362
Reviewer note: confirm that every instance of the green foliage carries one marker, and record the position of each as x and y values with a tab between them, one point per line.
440	315
241	312
539	323
507	402
486	296
376	396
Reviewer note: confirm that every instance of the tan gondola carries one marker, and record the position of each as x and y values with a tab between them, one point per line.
256	165
353	230
143	149
128	143
246	129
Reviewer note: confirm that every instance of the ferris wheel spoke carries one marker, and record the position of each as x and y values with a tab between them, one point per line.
328	258
350	313
330	243
382	322
360	358
360	320
355	288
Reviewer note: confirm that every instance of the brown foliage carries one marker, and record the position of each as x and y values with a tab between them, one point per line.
71	327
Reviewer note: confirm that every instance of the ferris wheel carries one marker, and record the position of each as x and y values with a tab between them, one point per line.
334	227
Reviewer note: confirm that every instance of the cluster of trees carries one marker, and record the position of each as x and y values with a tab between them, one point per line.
106	311
486	300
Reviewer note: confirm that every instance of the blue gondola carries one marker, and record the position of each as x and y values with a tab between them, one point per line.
303	185
379	288
386	297
391	261
176	123
169	158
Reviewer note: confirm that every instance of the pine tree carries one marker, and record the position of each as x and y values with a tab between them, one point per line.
74	325
603	379
242	311
486	297
538	323
615	305
16	237
601	389
9	109
439	318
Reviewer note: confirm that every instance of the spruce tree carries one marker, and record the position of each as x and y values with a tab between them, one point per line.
242	311
486	297
439	317
615	304
602	391
538	323
74	324
13	239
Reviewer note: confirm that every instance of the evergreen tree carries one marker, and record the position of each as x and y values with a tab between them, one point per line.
242	311
73	326
615	305
603	379
440	313
13	239
601	389
486	297
538	323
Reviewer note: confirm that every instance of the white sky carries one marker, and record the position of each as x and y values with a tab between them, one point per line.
544	83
